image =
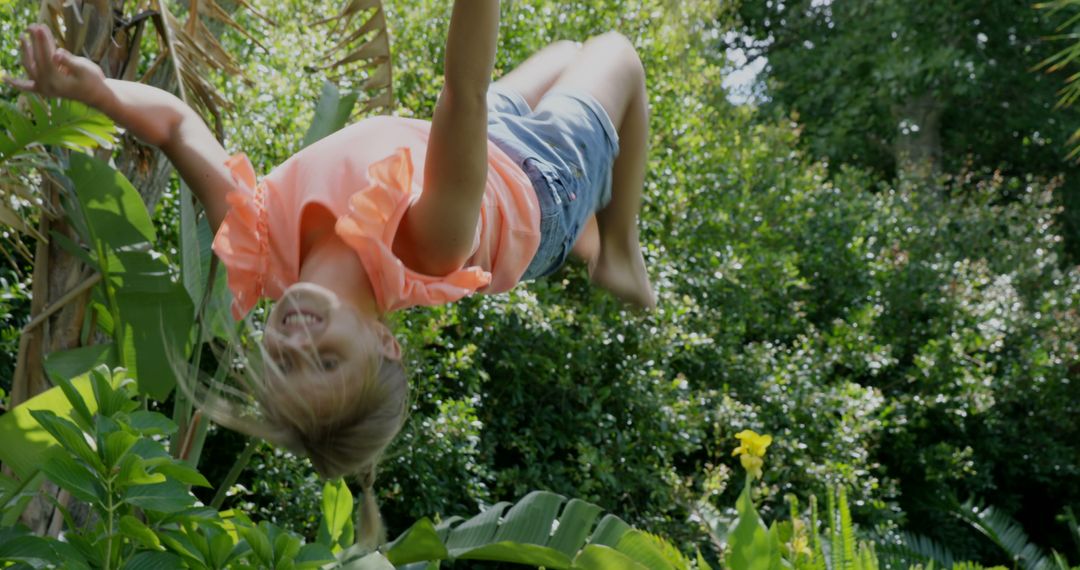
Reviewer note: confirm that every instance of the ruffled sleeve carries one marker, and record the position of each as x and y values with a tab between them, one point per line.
369	227
242	241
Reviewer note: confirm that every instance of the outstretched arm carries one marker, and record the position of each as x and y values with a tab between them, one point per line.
442	223
154	116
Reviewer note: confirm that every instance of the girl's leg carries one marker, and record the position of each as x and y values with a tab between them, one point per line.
537	74
608	68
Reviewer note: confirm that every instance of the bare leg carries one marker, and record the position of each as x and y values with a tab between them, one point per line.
537	74
608	68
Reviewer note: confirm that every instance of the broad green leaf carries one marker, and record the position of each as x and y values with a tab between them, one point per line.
702	564
641	548
222	549
165	497
609	531
331	112
420	543
108	393
574	524
136	530
599	557
750	545
75	479
530	519
476	531
518	553
114	211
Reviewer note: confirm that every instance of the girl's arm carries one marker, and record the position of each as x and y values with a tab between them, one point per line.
441	225
154	116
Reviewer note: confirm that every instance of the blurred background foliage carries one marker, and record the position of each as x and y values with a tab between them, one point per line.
909	333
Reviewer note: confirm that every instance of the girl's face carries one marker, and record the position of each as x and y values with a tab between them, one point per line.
314	338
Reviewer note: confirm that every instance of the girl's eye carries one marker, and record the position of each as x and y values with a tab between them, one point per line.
329	364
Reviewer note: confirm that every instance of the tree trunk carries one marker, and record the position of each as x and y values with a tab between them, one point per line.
917	147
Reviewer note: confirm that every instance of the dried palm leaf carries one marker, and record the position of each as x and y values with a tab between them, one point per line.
365	48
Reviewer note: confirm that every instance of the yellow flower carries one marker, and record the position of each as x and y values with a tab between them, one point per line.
751	450
800	545
752	465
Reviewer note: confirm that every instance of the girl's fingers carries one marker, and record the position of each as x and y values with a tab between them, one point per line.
43	48
20	84
28	57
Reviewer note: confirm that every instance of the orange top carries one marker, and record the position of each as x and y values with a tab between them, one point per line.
367	175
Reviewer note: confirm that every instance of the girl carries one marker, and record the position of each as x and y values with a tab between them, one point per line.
390	213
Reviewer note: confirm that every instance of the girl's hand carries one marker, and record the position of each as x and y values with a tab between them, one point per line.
56	72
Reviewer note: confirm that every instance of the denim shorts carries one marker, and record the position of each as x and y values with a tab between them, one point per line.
566	146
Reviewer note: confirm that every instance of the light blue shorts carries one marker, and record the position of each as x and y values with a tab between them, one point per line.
566	146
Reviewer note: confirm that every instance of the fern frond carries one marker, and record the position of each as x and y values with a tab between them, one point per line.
847	532
1006	533
916	548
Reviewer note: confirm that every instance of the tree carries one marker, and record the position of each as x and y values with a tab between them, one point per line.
901	86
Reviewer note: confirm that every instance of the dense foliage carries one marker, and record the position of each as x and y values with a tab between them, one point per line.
912	341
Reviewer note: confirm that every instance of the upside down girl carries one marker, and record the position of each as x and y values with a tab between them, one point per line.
505	181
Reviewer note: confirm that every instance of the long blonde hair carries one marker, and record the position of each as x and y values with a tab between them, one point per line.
345	436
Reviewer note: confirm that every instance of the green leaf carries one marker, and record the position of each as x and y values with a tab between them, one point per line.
373	561
191	256
260	544
133	472
530	519
166	497
80	411
337	508
598	557
609	531
642	549
114	211
178	470
60	122
749	544
574	524
70	437
138	532
476	531
420	542
151	423
312	556
72	363
75	479
154	561
517	553
117	445
331	112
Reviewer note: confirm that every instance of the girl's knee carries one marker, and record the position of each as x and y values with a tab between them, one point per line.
619	47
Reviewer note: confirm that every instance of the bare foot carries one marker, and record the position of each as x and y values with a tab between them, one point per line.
620	268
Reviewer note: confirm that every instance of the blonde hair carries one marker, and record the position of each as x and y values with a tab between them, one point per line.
343	433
